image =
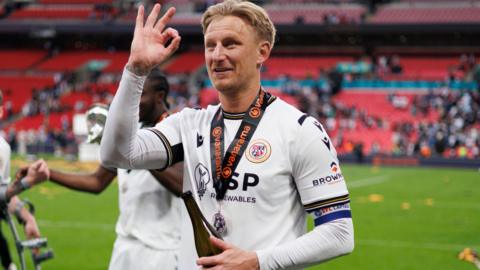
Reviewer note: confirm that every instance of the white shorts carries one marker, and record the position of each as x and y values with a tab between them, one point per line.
131	254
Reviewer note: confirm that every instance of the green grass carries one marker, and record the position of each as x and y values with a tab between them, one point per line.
411	218
405	218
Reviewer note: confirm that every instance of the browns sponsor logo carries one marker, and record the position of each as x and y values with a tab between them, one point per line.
331	179
259	151
334	167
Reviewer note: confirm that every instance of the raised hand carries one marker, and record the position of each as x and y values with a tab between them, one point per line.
232	258
149	40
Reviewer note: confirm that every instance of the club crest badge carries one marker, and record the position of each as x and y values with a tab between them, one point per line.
258	151
202	178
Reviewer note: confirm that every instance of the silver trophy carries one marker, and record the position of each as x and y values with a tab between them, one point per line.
96	119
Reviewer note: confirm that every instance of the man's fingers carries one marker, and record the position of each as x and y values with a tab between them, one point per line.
171	33
21	173
36	165
139	20
44	169
174	45
152	17
165	19
220	243
211	261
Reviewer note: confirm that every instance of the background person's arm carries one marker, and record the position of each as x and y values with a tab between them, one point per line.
94	182
16	207
171	178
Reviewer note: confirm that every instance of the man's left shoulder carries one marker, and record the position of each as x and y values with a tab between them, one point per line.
284	111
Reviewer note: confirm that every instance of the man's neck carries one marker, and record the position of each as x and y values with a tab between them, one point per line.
238	102
155	118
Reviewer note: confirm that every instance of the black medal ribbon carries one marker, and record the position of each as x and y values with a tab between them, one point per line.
223	167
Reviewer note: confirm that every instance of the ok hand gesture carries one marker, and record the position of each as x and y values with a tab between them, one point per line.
150	39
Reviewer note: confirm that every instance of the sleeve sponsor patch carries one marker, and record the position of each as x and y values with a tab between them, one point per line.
335	176
327	214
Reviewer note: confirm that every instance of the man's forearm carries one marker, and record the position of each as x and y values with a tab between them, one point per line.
15	188
16	207
122	121
93	183
325	242
171	178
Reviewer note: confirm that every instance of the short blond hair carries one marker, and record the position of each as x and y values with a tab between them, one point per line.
254	15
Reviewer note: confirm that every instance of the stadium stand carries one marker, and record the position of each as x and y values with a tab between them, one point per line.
301	67
18	89
186	62
292	13
54	12
72	60
20	60
395	101
424	12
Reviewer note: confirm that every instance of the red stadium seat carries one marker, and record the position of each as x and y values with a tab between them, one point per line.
20	59
186	62
422	15
55	12
69	61
18	89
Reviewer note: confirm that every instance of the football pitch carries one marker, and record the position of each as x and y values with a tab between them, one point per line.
405	218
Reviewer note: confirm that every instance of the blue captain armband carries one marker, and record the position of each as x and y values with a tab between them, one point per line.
330	213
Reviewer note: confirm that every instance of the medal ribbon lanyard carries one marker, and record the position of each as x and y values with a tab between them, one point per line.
224	167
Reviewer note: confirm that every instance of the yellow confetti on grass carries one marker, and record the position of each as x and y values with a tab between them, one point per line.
375	198
51	192
428	202
405	206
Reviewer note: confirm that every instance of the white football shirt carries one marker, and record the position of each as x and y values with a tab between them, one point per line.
148	211
289	166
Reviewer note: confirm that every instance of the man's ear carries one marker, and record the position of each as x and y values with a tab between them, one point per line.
159	97
264	50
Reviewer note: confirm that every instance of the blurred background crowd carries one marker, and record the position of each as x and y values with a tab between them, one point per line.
366	69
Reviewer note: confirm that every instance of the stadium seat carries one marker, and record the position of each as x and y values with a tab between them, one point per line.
20	60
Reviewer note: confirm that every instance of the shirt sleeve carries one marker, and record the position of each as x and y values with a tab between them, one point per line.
169	132
325	242
123	145
324	195
316	169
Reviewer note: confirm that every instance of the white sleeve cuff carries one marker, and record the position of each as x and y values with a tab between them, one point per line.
325	242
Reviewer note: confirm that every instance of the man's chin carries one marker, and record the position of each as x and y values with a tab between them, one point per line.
222	86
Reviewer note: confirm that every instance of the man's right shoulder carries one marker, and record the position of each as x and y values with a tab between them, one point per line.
198	112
